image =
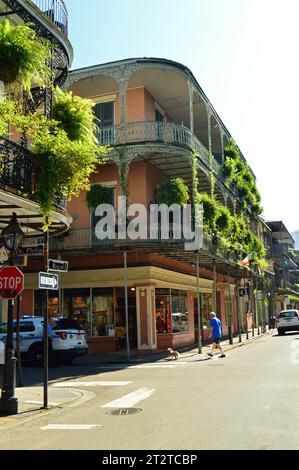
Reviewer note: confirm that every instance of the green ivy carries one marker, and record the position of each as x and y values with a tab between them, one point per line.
98	195
173	191
23	56
237	172
74	115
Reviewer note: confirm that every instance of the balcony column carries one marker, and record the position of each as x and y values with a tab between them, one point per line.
222	146
123	85
212	182
191	114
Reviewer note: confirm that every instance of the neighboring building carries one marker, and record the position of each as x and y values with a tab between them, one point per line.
285	265
154	114
17	182
295	236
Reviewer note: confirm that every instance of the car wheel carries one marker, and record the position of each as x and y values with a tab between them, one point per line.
281	332
35	353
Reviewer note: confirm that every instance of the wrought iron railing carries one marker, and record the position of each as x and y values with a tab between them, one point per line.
17	175
152	131
85	239
56	11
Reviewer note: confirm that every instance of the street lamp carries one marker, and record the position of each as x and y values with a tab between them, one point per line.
13	237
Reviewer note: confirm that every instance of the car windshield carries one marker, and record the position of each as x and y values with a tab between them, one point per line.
288	314
64	323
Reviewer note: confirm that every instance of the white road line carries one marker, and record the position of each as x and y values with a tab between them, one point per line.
70	427
131	399
121	367
90	384
33	402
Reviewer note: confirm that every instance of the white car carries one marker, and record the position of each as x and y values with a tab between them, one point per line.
2	350
288	320
66	339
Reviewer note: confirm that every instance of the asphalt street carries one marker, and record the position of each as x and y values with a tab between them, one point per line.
247	400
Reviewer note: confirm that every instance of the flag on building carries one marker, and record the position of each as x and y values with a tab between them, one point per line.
246	260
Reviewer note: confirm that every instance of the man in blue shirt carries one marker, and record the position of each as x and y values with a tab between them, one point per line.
216	334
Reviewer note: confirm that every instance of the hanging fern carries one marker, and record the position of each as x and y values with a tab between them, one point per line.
23	56
98	195
173	191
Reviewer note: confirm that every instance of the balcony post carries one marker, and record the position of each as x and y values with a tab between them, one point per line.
191	119
123	85
222	146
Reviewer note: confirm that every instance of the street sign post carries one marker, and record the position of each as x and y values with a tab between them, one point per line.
47	281
11	282
58	265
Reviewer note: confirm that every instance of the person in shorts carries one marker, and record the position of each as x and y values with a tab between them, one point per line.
216	334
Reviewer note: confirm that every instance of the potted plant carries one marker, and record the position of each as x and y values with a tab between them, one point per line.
173	191
23	56
74	115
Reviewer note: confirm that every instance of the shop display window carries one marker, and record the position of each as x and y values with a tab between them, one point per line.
103	312
163	311
179	311
76	306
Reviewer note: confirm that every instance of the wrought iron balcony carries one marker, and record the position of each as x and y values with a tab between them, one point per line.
84	240
153	131
17	175
55	11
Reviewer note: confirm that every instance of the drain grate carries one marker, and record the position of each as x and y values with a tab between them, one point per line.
124	411
215	365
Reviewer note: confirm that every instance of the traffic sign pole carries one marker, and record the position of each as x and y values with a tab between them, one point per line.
46	322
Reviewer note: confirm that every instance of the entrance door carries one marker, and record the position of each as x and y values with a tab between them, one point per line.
120	318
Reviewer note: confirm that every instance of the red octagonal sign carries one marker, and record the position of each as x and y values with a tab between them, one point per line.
11	282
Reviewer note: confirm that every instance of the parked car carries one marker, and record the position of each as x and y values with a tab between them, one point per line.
2	350
288	320
66	340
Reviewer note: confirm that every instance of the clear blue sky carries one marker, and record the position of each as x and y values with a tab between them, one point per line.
242	52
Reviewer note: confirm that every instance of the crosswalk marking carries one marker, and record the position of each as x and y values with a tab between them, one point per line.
91	384
70	427
150	366
131	399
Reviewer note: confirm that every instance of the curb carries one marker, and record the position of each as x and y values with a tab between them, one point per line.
16	420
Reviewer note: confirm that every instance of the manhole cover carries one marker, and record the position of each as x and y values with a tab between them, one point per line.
124	411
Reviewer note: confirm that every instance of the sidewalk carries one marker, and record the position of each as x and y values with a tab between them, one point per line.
120	357
31	402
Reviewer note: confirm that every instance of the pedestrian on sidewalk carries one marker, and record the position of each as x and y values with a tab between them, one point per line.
216	334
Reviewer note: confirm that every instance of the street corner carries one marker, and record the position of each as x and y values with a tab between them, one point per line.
30	401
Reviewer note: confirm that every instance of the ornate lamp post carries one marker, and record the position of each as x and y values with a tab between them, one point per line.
13	237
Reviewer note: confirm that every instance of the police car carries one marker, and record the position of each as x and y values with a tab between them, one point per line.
66	340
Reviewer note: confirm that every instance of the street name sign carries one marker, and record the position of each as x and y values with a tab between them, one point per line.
58	265
47	281
37	250
11	282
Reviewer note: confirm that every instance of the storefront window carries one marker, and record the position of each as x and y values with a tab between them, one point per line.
103	312
163	311
205	310
76	306
179	311
40	303
171	311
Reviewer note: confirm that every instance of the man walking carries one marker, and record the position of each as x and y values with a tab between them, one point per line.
216	334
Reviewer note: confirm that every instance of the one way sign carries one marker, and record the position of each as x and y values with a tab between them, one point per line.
48	281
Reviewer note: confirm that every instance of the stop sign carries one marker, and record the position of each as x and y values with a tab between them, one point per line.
11	282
